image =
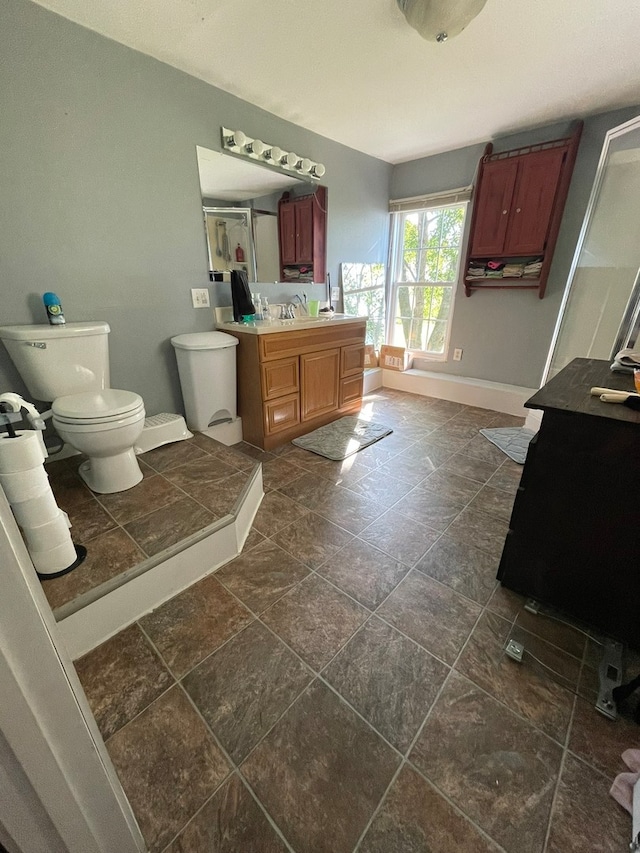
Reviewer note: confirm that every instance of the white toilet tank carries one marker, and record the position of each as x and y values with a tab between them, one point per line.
57	360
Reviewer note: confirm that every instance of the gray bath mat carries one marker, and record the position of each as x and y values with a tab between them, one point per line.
514	441
342	438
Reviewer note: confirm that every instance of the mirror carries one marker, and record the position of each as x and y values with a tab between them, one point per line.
240	207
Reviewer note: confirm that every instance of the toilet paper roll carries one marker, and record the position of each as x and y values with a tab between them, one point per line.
36	511
26	485
55	559
20	453
44	537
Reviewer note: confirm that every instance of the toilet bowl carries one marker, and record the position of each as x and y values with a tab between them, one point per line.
104	425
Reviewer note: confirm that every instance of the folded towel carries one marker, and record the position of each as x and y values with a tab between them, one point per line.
628	357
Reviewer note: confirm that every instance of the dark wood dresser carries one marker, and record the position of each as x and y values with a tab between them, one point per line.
574	537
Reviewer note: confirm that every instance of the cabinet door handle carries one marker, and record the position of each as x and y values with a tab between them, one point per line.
518	210
504	212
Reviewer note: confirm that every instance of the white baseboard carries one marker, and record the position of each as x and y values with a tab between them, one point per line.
372	380
96	622
461	389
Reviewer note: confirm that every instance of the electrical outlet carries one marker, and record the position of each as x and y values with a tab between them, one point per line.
457	354
200	297
335	294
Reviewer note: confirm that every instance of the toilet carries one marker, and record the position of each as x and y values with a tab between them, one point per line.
68	365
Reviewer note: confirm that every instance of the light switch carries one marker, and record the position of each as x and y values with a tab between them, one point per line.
335	294
457	354
200	297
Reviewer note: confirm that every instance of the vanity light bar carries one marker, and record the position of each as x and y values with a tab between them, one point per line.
239	143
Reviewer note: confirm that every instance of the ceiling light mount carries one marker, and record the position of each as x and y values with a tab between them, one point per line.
239	143
440	20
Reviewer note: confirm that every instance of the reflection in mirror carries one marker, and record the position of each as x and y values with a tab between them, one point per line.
240	206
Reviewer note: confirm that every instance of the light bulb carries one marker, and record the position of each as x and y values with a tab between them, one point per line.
318	170
290	160
236	140
256	147
304	165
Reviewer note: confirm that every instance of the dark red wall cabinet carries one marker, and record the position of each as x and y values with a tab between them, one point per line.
519	201
302	230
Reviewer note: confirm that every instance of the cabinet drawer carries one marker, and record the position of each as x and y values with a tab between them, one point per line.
352	360
280	378
350	390
281	414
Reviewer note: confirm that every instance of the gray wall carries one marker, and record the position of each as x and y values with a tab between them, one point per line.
100	198
505	334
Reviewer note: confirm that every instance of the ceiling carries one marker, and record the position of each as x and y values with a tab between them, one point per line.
356	73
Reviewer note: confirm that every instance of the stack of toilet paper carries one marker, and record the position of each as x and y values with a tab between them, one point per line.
26	483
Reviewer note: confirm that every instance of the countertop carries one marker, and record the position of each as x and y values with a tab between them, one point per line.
569	391
269	327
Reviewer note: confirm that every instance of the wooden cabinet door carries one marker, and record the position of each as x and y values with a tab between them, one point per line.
279	378
287	216
492	207
352	360
319	379
304	231
533	199
350	390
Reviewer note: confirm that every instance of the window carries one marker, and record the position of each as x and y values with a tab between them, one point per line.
425	258
363	293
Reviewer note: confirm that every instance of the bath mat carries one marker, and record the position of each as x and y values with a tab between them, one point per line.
342	438
514	441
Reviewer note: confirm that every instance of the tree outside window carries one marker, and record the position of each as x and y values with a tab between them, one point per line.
363	294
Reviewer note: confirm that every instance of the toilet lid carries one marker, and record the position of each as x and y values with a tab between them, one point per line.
97	405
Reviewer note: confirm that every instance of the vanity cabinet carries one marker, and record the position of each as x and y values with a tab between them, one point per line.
291	382
574	536
520	197
302	227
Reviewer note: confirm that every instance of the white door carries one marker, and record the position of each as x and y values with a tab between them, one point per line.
59	789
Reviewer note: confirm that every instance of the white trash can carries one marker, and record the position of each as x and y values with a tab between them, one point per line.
207	369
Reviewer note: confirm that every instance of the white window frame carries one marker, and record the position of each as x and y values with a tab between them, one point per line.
398	208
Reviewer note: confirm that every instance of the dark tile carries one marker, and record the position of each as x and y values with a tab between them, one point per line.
506	603
400	537
108	555
243	688
507	477
315	620
69	490
279	472
502	421
253	538
431	614
415	818
252	452
380	488
350	511
464	568
481	448
312	540
444	439
151	493
448	485
169	525
199	473
412	465
230	822
88	520
308	489
221	496
426	507
320	773
497	768
600	741
170	455
121	677
468	466
169	765
262	576
194	623
480	529
527	688
234	458
364	572
277	511
447	407
560	634
585	816
494	501
388	679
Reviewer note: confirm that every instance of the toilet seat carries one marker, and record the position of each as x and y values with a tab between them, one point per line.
97	407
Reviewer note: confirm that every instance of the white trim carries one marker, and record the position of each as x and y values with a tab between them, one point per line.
47	726
509	399
441	199
372	380
96	622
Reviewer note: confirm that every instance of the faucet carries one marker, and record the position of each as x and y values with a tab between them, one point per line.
303	304
288	311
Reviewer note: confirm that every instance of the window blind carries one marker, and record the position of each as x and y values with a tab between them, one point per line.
419	202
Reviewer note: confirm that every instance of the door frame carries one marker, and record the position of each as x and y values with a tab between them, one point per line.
64	793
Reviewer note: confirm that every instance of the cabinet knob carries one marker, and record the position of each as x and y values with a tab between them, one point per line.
518	210
504	212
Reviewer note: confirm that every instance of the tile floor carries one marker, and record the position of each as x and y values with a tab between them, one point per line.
341	684
186	486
